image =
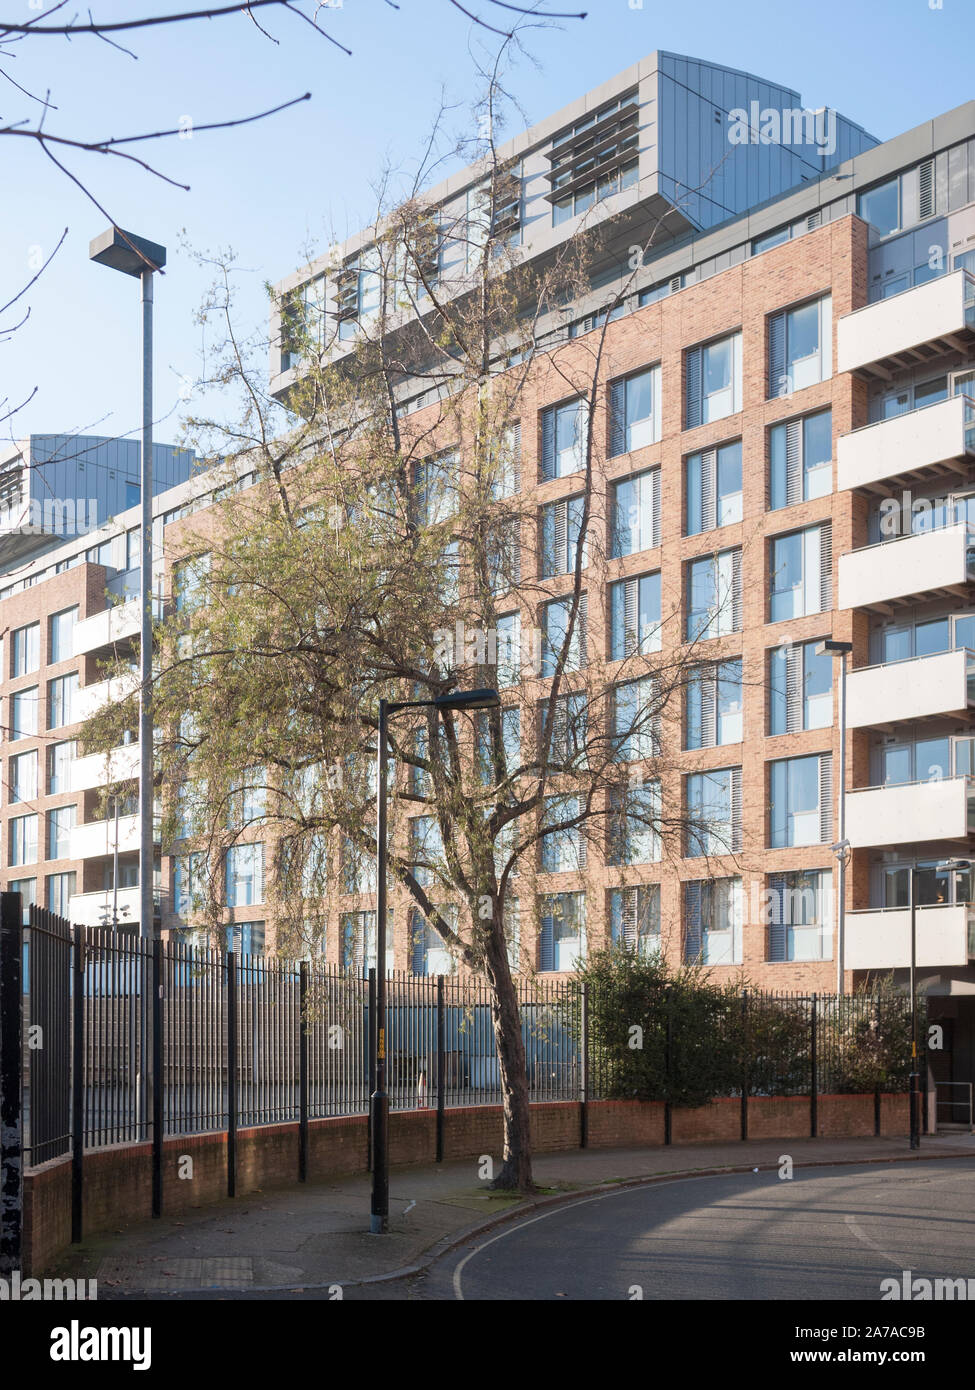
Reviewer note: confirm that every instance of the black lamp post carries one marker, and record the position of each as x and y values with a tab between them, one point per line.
379	1101
134	255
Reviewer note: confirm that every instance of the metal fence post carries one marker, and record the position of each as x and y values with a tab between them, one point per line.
231	1073
584	1068
371	1035
813	1070
441	1062
78	1084
668	1059
303	1071
158	986
744	1060
11	1084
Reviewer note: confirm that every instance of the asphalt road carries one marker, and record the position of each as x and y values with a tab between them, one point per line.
825	1234
828	1233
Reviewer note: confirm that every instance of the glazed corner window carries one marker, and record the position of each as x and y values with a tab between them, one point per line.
800	347
880	207
801	459
713	482
712	381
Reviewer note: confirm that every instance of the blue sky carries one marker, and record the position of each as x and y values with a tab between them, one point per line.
269	190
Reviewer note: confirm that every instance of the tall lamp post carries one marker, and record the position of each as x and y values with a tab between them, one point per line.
379	1101
134	255
842	847
947	866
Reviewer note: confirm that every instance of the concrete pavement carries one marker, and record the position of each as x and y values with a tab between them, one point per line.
317	1236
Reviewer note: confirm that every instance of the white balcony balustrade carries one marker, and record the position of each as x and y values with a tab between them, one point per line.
920	688
932	319
911	812
927	443
880	939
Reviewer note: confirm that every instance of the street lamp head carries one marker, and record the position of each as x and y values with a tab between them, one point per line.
124	251
955	864
469	700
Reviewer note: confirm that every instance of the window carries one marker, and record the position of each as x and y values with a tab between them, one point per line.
880	207
635	515
925	759
23	840
714	705
245	875
800	688
636	720
23	713
561	527
23	776
562	934
428	951
712	921
133	495
60	889
712	381
359	942
505	464
634	915
555	626
569	716
61	695
564	430
426	849
635	617
801	460
246	938
713	488
26	650
633	824
510	744
61	645
188	874
27	888
770	239
189	579
800	915
714	595
247	797
563	848
508	653
713	812
801	801
801	565
800	347
358	290
634	412
60	823
435	488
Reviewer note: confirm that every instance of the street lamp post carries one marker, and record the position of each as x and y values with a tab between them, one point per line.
842	848
949	866
134	255
913	1086
379	1101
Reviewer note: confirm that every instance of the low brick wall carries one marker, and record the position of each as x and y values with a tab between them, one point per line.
118	1180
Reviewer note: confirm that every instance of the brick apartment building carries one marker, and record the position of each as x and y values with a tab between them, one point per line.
794	356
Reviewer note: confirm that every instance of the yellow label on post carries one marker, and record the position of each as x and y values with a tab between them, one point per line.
382	1043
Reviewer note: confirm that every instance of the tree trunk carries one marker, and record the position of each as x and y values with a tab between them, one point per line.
516	1165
